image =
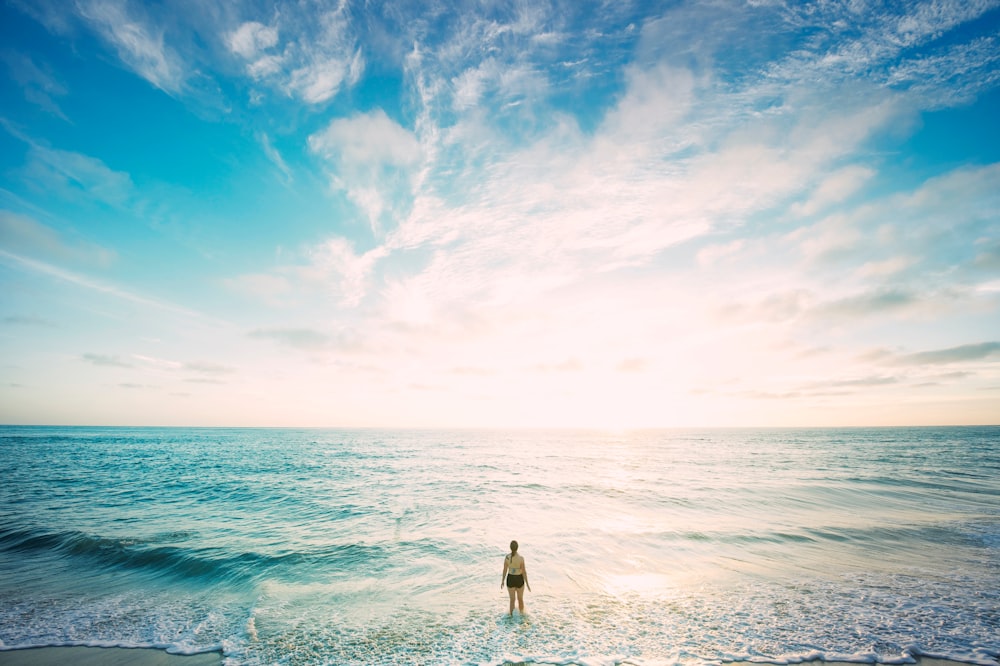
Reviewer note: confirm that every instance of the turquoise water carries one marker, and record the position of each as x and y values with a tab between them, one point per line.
384	547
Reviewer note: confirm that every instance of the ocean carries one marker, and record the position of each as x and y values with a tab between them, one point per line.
285	546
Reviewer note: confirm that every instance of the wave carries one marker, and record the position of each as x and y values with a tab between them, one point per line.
201	564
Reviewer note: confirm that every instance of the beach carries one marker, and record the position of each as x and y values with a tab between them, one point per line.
99	656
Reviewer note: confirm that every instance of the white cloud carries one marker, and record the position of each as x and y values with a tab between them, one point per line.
318	81
301	338
656	100
687	221
97	286
835	188
275	157
318	57
713	253
885	267
140	45
25	236
106	360
37	82
373	159
251	38
366	140
329	268
77	177
335	265
272	289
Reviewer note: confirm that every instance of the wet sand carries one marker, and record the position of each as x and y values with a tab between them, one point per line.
98	656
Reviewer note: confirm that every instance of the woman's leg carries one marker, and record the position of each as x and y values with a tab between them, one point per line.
520	599
510	591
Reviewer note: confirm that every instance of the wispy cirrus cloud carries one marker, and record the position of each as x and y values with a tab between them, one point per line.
959	354
106	360
300	338
76	177
98	286
272	154
208	368
140	44
22	235
28	320
39	85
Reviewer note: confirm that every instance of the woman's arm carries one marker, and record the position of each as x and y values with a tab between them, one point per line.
503	576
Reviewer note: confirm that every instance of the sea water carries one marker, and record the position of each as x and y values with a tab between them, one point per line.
386	547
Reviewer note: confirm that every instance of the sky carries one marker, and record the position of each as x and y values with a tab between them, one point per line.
500	214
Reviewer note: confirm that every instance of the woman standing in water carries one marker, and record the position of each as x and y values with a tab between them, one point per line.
515	575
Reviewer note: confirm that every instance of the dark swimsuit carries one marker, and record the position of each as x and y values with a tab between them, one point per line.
515	580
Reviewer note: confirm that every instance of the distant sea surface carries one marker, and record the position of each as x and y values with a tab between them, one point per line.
386	547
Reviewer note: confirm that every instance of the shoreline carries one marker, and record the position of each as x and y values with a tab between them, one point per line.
140	656
80	655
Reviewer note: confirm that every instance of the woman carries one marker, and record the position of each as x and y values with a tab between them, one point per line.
515	576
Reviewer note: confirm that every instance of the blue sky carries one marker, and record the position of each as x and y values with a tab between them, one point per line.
500	214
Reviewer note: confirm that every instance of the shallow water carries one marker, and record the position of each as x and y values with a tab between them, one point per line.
366	547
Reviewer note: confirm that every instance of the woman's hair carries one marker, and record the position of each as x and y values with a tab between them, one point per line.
513	548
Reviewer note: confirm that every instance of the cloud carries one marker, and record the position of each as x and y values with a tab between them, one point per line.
77	177
300	338
906	241
25	236
836	187
37	82
335	265
520	206
859	383
320	79
251	38
97	285
272	154
271	289
885	267
633	365
713	253
955	75
959	354
866	304
331	268
106	361
989	257
373	159
656	99
472	371
208	368
569	365
29	320
879	46
318	59
366	140
139	44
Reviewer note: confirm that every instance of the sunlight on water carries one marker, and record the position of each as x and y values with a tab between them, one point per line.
648	584
361	547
